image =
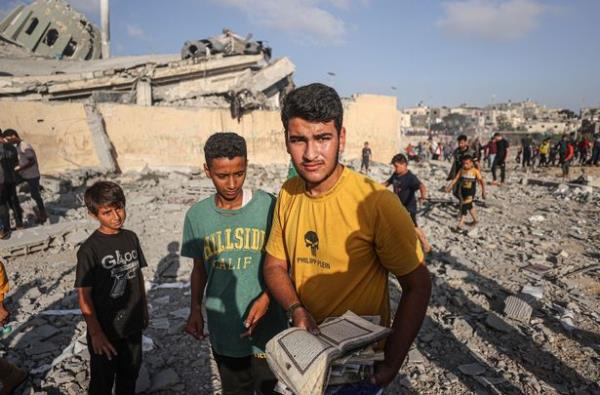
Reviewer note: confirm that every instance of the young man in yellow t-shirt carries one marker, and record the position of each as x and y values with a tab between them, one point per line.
337	234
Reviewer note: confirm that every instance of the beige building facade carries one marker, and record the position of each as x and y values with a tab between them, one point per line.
168	137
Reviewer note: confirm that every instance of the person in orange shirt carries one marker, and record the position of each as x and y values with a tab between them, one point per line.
337	234
10	375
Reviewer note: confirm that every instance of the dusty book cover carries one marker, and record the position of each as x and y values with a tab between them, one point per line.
302	360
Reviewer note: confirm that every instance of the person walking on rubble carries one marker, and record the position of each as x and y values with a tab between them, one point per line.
337	234
405	185
28	170
467	179
225	235
500	159
10	375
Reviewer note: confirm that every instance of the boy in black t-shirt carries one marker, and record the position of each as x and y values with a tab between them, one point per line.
405	185
111	293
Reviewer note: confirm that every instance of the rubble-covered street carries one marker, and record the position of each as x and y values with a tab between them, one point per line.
514	307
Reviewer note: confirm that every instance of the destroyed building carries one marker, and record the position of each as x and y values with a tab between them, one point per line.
119	108
51	28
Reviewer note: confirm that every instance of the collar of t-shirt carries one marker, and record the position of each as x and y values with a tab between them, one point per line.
246	196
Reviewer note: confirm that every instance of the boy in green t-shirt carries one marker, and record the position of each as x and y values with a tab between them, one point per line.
225	234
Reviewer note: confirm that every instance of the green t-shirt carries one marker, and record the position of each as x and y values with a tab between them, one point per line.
231	245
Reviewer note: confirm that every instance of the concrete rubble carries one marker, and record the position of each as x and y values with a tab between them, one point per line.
64	64
493	326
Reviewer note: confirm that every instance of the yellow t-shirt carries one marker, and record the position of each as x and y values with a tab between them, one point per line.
340	246
3	282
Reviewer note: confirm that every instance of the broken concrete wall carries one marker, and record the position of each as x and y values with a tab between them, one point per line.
165	137
60	134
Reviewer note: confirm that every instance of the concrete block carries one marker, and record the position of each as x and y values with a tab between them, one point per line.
517	309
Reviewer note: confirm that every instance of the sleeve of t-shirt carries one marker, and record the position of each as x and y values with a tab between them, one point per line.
141	257
478	175
28	152
84	275
191	245
396	242
415	183
275	246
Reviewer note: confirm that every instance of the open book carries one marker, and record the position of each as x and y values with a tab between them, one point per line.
302	360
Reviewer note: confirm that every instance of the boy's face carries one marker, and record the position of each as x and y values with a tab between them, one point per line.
228	176
467	164
400	167
111	218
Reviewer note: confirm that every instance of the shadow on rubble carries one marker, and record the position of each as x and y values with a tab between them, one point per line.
437	343
514	344
41	339
168	266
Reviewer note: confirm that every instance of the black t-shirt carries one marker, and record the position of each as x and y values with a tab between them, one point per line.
9	160
110	265
366	153
405	187
501	149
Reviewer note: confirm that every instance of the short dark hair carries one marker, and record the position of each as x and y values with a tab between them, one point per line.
103	193
224	145
10	132
314	103
399	158
467	157
496	134
462	137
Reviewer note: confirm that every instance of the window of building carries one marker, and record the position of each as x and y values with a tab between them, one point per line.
51	37
32	25
70	49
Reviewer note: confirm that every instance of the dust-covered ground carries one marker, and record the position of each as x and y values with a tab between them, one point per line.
537	242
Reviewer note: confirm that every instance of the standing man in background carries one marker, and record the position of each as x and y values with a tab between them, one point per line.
28	170
366	157
9	160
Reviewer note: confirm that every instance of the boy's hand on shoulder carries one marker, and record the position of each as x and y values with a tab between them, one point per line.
257	311
195	324
102	346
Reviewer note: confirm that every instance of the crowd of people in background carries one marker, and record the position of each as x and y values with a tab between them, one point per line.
557	151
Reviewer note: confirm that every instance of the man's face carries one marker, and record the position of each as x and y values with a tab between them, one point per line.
228	176
12	139
314	148
462	144
400	168
111	218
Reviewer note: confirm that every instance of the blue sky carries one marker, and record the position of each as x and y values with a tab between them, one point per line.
438	52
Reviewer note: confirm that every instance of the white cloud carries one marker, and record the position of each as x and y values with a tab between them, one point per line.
306	20
491	19
135	31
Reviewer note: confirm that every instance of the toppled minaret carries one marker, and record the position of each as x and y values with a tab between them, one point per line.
52	28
